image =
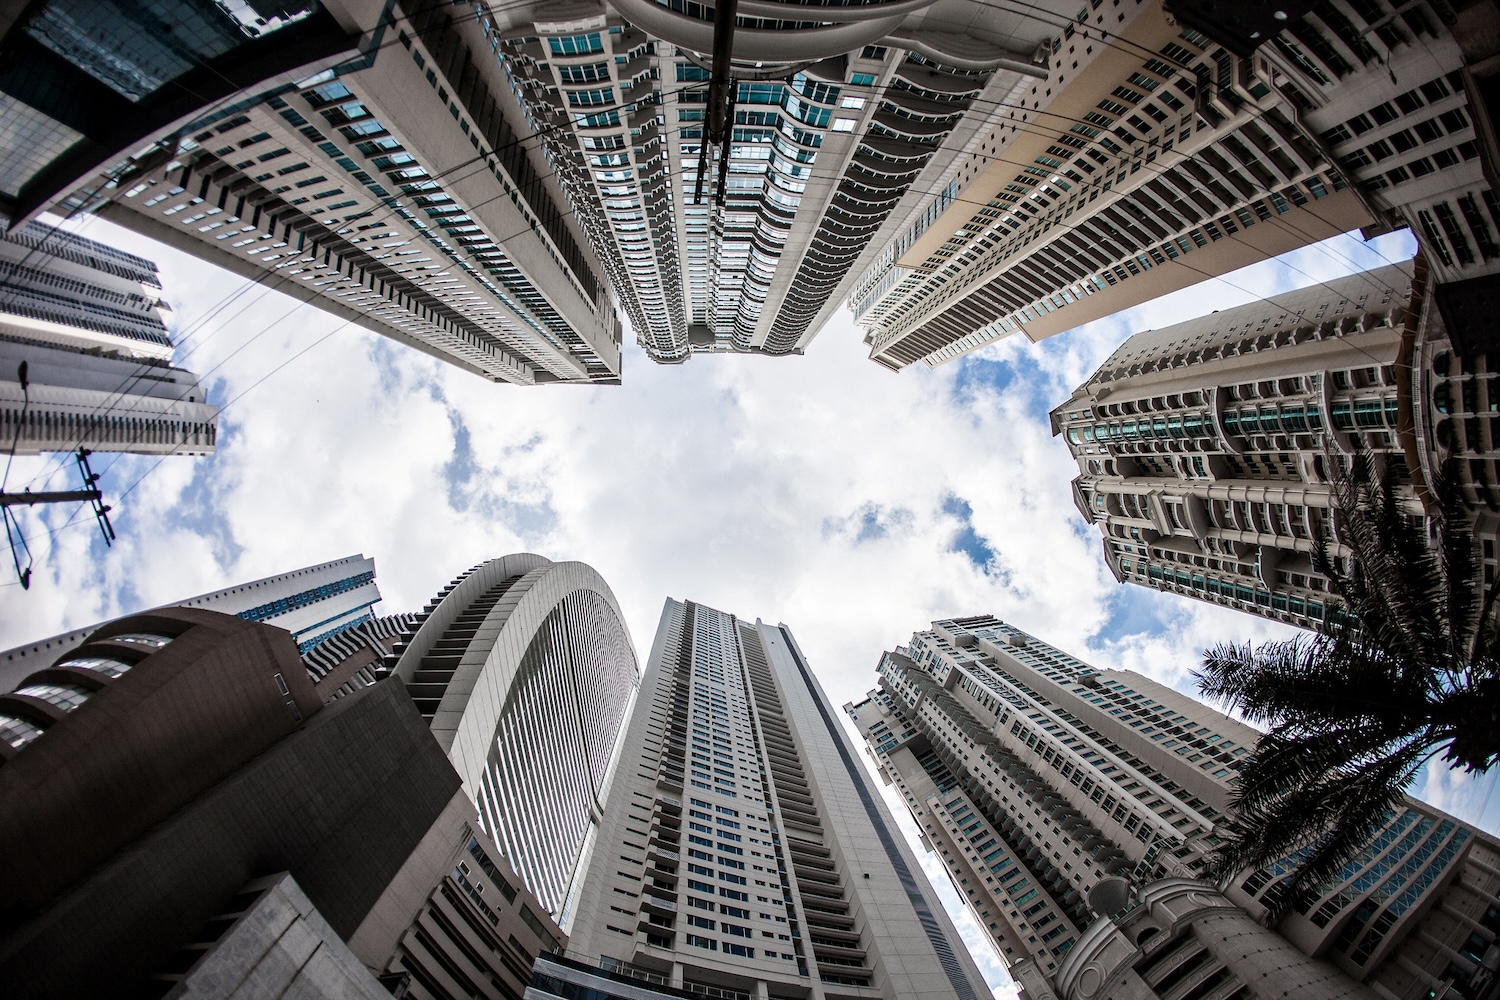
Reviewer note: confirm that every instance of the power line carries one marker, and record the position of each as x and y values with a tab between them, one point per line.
656	97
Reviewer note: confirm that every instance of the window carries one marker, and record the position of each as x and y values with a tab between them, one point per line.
576	45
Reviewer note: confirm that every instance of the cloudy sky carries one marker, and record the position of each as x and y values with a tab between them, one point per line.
853	504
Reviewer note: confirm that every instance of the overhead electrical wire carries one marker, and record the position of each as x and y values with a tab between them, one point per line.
654	100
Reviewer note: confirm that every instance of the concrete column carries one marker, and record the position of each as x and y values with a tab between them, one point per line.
1269	964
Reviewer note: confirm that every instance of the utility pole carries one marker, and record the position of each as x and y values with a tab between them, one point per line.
27	498
90	494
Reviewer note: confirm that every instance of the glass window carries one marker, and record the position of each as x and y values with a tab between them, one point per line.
17	732
65	696
108	666
150	639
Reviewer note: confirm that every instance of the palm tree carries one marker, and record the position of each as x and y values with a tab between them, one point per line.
1407	671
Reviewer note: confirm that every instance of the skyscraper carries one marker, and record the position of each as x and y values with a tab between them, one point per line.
744	851
1150	158
526	673
88	82
1207	449
86	321
395	189
1038	778
836	114
314	604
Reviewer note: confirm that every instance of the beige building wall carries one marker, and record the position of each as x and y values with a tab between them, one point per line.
1139	168
743	849
1178	938
1207	450
457	920
396	193
838	124
1073	808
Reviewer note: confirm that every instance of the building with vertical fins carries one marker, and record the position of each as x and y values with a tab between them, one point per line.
1073	806
525	673
393	188
838	113
88	323
1206	450
1151	157
744	851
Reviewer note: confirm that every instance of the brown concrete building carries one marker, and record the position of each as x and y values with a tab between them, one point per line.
179	800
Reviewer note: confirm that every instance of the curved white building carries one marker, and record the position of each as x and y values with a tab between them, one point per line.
526	672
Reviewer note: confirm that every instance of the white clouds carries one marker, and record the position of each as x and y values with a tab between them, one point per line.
806	490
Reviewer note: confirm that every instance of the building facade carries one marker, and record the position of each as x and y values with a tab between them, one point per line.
89	82
315	604
1207	450
744	851
190	817
526	673
87	322
393	188
1180	937
1151	157
836	116
1038	778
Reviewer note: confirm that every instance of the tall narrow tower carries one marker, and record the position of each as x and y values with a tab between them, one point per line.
744	849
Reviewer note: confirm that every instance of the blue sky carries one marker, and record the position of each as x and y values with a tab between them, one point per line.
853	504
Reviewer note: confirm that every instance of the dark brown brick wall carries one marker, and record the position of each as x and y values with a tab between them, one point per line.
340	803
145	744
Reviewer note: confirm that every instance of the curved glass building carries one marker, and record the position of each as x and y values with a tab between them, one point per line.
526	672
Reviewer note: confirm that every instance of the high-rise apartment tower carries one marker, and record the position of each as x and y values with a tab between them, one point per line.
87	322
1150	158
314	604
526	674
1207	450
1042	781
835	114
396	188
744	848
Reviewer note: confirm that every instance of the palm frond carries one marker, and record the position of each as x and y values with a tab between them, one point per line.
1310	681
1397	590
1329	821
1283	764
